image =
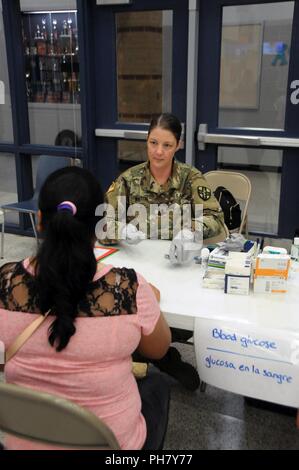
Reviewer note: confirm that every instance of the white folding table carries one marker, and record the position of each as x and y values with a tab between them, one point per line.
245	344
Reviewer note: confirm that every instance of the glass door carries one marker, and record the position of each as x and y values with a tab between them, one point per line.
247	104
141	71
51	59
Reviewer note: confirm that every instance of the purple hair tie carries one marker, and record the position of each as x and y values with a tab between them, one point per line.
67	206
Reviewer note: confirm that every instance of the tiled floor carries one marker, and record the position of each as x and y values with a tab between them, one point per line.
215	419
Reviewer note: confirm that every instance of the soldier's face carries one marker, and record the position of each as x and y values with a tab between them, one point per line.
161	147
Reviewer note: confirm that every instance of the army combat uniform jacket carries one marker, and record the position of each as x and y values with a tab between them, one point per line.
185	187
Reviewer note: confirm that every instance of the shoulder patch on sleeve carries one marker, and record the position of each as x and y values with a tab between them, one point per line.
204	193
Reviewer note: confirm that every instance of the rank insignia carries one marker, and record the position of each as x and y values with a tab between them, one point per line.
204	193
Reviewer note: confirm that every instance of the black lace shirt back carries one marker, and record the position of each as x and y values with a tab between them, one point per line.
114	293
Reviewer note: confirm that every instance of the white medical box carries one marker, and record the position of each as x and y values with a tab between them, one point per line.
237	274
271	273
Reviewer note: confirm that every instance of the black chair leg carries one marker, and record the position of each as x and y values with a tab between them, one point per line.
203	386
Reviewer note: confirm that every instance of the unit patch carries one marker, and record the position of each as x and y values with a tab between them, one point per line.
204	193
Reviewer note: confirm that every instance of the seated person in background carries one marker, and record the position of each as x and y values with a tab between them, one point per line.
99	315
163	180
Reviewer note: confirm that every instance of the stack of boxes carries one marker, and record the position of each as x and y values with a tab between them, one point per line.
236	270
237	274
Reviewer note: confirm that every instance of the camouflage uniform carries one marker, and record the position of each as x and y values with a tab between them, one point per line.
186	185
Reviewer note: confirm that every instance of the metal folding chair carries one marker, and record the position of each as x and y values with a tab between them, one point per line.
238	184
49	419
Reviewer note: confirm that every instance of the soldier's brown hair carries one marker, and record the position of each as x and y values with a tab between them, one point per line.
168	122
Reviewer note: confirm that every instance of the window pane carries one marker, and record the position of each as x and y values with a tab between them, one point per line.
34	164
50	40
6	130
255	54
130	153
8	185
134	151
263	168
144	64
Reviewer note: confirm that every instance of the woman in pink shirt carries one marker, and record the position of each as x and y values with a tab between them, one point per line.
99	315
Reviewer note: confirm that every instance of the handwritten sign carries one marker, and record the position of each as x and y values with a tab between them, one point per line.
251	361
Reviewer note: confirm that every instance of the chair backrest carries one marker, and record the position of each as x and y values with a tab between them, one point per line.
237	183
49	419
47	164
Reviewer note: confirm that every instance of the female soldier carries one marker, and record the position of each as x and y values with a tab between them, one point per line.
165	182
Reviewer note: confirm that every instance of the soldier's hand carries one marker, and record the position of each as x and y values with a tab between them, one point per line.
185	235
131	235
183	247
